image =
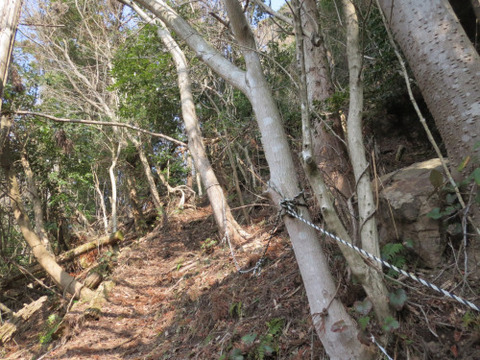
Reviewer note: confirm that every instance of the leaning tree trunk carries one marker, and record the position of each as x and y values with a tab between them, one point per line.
9	13
226	223
447	68
223	216
44	258
327	311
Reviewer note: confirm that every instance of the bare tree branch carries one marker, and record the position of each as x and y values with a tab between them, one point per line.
102	123
274	13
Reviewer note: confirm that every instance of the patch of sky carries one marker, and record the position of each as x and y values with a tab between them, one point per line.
276	4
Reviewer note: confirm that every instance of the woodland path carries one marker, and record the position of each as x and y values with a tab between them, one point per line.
176	297
173	299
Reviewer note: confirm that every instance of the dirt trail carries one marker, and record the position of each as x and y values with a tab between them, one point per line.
177	299
178	296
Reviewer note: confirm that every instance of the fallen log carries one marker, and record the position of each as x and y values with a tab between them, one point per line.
93	280
82	249
71	254
19	320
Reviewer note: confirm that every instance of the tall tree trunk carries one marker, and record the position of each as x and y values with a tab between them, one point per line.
313	265
191	170
113	181
139	220
236	180
36	203
148	172
366	202
9	14
45	259
446	67
370	278
226	223
317	69
328	148
101	198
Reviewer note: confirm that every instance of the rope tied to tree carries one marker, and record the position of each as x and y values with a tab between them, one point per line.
290	208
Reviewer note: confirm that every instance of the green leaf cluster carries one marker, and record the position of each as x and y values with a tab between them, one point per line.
394	253
254	347
146	80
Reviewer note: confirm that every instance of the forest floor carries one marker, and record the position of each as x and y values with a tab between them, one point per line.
178	295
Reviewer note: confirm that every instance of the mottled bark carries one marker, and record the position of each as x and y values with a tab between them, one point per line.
328	149
446	67
317	70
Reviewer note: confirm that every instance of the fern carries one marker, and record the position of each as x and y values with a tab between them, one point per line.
236	310
268	342
275	326
258	348
389	251
394	254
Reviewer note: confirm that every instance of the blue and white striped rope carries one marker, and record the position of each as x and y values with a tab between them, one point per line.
382	349
289	208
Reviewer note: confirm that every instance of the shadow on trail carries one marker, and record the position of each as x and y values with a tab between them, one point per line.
175	300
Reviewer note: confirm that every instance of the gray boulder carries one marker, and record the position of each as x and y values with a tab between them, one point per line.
409	196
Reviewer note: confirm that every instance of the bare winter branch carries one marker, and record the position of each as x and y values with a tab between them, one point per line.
102	123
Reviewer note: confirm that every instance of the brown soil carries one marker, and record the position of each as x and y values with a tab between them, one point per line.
177	299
